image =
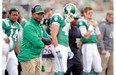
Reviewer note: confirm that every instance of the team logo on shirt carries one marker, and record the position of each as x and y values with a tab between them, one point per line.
13	27
56	18
80	23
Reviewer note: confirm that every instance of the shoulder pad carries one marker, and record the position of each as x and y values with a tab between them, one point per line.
58	15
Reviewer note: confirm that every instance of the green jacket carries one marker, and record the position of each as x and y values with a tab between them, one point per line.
31	44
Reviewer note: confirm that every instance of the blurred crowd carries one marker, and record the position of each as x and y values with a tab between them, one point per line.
100	6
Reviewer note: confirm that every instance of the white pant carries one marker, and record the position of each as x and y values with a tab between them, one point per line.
91	58
64	53
12	63
5	51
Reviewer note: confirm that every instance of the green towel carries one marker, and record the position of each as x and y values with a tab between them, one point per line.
43	70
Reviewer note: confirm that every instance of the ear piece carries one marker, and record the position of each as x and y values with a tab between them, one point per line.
32	10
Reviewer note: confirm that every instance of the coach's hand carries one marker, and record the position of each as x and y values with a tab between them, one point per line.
103	52
47	41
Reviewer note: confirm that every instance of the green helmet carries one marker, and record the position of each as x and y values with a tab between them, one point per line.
70	9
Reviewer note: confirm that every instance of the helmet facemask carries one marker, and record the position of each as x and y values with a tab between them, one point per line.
69	18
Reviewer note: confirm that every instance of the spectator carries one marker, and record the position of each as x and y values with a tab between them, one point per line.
32	44
105	45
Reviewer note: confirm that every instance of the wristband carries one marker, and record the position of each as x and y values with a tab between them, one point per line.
57	48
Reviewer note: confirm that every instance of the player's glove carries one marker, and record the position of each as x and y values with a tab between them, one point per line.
58	51
46	41
70	53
